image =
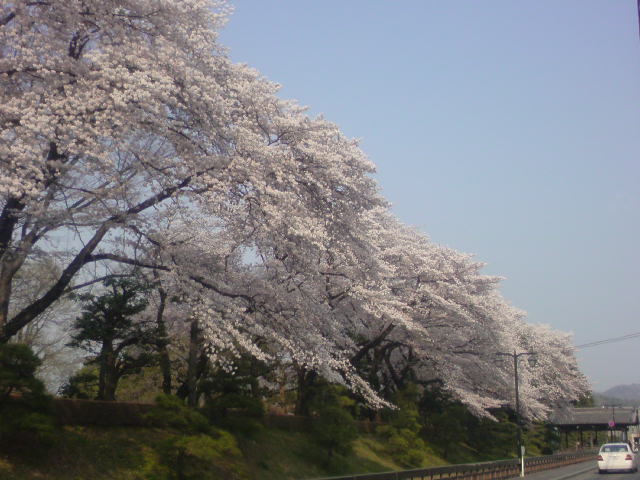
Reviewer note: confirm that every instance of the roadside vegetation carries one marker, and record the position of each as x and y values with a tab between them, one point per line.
139	453
215	441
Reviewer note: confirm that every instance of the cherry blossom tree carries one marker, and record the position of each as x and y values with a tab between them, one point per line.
128	139
446	332
94	135
107	147
103	143
555	379
452	323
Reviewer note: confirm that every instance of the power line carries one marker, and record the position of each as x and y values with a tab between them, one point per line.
610	340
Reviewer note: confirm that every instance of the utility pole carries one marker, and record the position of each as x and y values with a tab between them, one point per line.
532	361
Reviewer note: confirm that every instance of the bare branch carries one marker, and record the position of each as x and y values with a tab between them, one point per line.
7	19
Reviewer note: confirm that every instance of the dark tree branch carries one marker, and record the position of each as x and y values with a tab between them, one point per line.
372	344
126	260
7	19
8	220
126	343
57	290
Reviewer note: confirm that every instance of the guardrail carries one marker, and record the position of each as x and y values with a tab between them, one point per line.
478	471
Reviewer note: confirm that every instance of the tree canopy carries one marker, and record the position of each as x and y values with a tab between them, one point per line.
128	139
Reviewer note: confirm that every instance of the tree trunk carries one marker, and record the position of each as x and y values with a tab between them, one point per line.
5	295
306	382
162	343
111	385
195	342
8	221
108	375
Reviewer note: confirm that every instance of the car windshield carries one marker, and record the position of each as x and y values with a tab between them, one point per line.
614	448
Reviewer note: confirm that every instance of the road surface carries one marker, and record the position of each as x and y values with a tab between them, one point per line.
580	471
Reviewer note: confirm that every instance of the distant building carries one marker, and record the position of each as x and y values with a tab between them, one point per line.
613	423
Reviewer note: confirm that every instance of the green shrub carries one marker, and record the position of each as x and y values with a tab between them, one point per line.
404	445
194	457
236	412
203	456
334	429
402	432
18	366
25	408
170	411
83	384
201	452
233	398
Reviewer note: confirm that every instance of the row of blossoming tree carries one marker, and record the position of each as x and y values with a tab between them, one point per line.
130	145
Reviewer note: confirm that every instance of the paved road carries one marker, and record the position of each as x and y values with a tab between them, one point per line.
580	471
609	476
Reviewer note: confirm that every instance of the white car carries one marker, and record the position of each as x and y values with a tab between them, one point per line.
617	457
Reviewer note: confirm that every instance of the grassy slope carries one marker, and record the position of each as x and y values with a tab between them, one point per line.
82	453
276	455
86	453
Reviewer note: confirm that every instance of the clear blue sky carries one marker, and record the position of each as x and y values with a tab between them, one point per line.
505	129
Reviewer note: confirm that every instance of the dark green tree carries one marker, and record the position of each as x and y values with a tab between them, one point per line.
333	427
83	384
492	439
586	400
18	366
233	395
200	451
25	408
121	344
403	428
445	422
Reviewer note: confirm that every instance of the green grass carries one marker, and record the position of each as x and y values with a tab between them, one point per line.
371	449
86	453
81	453
280	455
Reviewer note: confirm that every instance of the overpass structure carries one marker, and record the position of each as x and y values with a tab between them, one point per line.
614	423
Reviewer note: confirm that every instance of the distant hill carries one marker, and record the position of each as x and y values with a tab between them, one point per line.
627	395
